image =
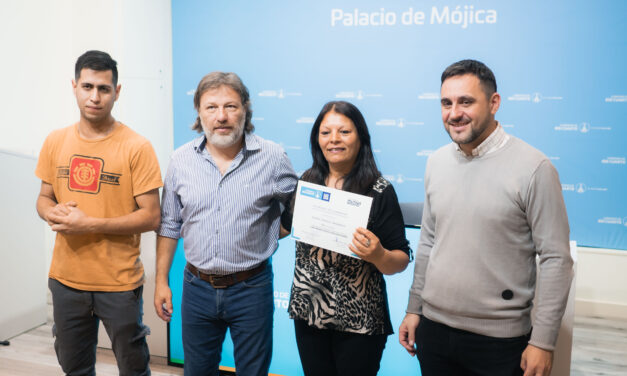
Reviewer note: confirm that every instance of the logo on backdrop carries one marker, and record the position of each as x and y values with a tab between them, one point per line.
401	123
581	188
305	120
359	94
584	127
290	147
280	94
534	97
429	96
616	98
85	174
400	178
613	221
613	160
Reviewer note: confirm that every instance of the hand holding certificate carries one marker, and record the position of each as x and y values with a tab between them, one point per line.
327	217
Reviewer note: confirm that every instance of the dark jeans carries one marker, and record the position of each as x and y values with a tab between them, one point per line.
76	318
443	350
326	352
245	308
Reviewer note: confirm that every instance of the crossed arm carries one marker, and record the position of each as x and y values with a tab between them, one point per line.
68	218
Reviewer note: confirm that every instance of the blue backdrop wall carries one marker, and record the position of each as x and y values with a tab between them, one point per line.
559	67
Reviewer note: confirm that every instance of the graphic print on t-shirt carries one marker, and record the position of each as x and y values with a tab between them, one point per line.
85	174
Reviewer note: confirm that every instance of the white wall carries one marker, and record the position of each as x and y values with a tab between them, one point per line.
22	255
601	283
40	41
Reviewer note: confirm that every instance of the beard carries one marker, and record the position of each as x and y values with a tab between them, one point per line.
227	140
475	132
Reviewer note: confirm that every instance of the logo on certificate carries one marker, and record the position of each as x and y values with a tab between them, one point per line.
353	202
315	193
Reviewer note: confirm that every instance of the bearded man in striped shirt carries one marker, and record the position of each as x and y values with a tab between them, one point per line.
222	195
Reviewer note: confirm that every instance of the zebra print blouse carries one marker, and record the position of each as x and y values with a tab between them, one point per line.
338	292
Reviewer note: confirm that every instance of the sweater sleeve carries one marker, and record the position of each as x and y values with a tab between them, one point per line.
427	236
546	215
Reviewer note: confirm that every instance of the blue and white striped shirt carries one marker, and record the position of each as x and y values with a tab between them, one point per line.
229	222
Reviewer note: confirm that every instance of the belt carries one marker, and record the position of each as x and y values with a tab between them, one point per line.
224	281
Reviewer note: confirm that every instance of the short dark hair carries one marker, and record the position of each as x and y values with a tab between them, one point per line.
98	61
476	68
364	173
213	81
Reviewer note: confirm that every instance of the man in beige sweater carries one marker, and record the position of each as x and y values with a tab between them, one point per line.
492	204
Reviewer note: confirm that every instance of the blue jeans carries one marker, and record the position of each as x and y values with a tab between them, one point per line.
246	308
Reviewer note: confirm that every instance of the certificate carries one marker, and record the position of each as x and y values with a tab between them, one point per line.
327	217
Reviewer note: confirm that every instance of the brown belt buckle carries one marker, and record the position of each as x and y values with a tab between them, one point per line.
219	282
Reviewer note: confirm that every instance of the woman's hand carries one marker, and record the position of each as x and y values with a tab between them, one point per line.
367	246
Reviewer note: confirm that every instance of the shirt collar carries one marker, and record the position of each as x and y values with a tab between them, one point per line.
494	142
199	143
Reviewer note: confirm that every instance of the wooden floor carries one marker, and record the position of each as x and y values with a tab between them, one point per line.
32	354
599	348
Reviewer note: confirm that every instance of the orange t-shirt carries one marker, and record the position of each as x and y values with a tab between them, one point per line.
103	176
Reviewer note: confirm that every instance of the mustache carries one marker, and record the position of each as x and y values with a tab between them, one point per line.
461	119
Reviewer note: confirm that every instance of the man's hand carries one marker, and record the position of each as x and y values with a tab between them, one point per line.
536	362
407	332
163	302
163	295
59	210
74	222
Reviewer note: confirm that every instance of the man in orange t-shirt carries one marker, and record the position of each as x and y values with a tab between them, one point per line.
99	192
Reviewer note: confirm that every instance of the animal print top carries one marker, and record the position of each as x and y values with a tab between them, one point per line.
334	291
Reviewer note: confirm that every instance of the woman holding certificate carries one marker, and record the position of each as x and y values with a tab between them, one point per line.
338	302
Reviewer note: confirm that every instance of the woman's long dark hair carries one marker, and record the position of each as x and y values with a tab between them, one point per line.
364	172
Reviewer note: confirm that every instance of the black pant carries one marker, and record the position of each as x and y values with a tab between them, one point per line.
443	350
77	315
326	352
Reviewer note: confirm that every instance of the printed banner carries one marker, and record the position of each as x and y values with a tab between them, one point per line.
559	67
